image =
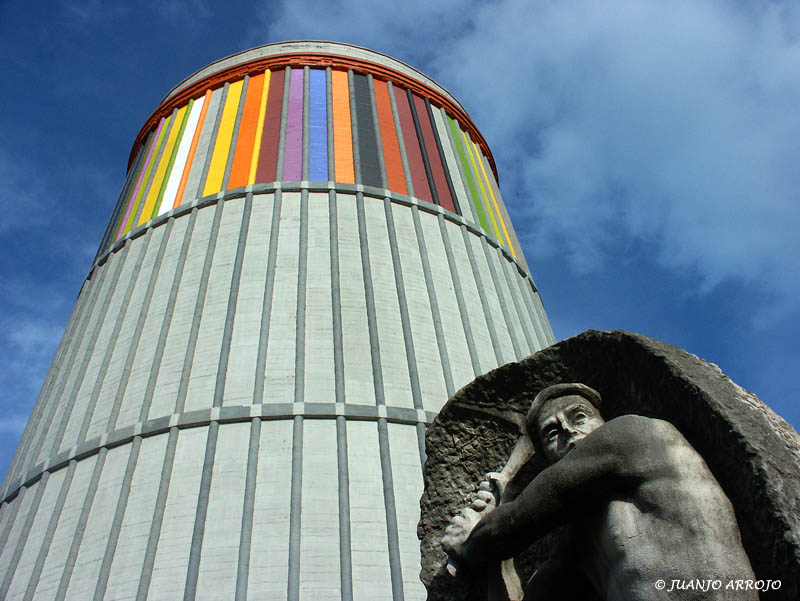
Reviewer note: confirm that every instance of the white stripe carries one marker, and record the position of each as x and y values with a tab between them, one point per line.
180	159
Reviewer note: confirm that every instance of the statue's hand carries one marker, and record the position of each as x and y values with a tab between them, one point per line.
497	483
462	524
459	529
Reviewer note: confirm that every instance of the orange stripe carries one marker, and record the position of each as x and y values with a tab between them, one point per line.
192	150
342	130
391	148
247	133
315	60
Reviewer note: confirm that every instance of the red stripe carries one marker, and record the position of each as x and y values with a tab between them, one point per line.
435	161
418	177
270	137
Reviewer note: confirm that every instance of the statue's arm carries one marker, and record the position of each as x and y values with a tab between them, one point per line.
603	462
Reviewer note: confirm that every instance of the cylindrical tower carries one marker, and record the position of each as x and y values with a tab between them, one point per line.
309	255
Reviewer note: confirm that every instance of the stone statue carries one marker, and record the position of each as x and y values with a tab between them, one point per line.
641	505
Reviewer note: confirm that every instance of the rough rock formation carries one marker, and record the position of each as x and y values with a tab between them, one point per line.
753	453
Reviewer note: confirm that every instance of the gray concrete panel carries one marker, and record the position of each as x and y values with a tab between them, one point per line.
319	504
300	320
99	520
170	369
117	519
16	546
488	297
143	311
128	558
508	328
130	405
386	326
319	381
218	564
215	315
166	322
279	383
118	348
269	550
358	382
214	309
80	526
100	340
449	301
417	289
170	565
295	511
369	539
52	523
230	313
474	301
50	511
243	355
266	307
345	540
248	508
407	471
59	548
402	301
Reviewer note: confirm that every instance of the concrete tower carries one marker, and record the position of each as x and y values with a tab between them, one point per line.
309	255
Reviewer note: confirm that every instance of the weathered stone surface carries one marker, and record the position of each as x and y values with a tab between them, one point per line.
753	453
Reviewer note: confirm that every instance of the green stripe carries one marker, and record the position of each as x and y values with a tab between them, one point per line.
455	130
146	179
138	169
168	172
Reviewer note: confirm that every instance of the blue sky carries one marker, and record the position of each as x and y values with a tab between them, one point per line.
649	154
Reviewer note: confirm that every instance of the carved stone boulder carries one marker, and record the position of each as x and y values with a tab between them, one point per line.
752	452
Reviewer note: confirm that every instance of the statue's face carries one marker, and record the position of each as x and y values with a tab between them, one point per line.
565	421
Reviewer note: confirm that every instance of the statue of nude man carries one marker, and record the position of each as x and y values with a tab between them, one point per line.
640	503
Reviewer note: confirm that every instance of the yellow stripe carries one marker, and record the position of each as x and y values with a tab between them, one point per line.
147	173
496	208
470	150
262	109
216	170
155	187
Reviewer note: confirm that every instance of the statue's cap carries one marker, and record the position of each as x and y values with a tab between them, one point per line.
554	392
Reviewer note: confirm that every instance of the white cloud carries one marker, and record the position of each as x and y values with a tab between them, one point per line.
414	30
671	124
671	127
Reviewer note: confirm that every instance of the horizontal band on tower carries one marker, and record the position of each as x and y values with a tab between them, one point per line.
310	124
222	415
369	191
316	60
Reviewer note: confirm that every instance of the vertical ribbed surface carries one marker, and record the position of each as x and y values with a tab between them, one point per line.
237	408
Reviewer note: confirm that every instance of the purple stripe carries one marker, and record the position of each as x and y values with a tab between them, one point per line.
293	147
141	176
317	127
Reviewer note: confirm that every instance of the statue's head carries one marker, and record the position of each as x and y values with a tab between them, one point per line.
562	415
